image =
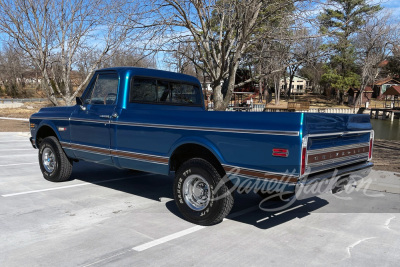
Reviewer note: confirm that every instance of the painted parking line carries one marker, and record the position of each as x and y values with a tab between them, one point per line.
18	155
188	231
17	164
19	140
168	238
16	149
71	186
13	119
43	190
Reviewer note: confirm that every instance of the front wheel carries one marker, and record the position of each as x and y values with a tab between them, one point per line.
200	193
54	163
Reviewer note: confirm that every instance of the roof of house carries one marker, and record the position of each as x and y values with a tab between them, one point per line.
296	76
383	63
393	90
367	89
386	80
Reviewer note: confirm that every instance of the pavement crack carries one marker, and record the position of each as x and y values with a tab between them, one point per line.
387	222
349	248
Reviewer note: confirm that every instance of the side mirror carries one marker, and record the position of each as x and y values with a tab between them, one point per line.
79	101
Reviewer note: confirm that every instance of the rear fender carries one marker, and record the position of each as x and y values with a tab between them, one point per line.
198	141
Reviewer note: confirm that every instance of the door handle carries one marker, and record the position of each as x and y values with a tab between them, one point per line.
104	116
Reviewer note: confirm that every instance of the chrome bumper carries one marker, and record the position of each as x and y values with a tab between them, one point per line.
335	180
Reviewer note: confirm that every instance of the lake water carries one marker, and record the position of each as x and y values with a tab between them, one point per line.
386	129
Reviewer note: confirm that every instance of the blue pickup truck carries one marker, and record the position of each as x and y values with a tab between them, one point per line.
155	121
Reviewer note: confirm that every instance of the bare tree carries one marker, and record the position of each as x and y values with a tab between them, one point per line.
301	51
122	56
13	66
373	45
271	63
54	32
222	31
178	59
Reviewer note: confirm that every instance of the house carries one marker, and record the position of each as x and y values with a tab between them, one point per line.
382	85
299	84
207	87
353	93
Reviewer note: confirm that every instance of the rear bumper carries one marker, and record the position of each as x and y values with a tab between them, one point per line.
327	181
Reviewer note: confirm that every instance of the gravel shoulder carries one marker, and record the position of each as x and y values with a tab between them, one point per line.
14	126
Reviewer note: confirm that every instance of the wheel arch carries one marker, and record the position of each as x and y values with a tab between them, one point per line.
194	149
44	131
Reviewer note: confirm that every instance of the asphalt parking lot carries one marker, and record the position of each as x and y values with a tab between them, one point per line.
106	216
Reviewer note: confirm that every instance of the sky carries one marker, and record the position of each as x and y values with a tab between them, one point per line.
392	5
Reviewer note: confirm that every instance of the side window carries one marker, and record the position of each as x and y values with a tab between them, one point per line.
185	94
143	90
86	97
104	91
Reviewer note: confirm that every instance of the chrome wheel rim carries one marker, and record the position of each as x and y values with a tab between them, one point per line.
48	160
196	192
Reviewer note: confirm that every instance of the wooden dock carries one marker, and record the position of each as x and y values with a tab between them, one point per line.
384	112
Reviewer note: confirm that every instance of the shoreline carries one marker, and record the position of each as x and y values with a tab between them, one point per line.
386	155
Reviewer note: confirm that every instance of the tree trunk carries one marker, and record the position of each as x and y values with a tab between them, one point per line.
223	94
358	100
339	96
277	91
69	101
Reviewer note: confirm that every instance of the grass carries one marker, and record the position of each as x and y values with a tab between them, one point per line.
316	101
24	111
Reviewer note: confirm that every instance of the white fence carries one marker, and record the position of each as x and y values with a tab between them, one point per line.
332	110
261	107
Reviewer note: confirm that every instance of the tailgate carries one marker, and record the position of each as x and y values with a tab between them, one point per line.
335	140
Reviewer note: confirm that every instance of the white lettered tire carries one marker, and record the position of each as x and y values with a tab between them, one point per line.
54	163
200	193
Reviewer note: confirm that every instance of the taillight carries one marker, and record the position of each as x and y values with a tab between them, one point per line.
371	144
303	156
303	160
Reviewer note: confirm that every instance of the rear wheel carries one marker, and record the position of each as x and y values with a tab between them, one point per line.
201	194
54	163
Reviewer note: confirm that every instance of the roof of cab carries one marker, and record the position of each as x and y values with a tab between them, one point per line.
145	72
